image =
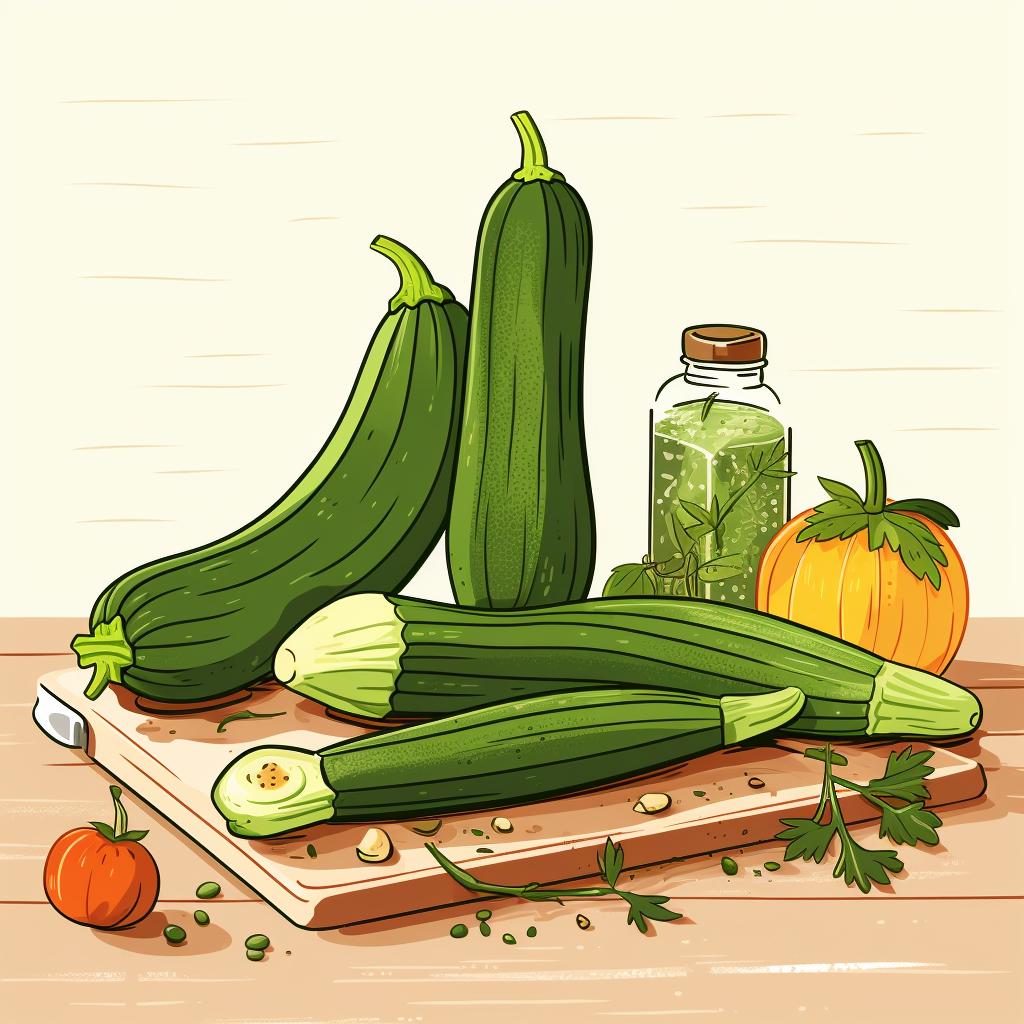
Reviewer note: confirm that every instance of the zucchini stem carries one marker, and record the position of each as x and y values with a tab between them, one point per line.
874	477
417	284
107	651
535	155
748	716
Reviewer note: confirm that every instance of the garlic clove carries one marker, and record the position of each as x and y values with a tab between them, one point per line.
501	825
375	847
652	803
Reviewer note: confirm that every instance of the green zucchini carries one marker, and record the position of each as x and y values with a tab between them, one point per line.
363	516
522	520
376	656
496	756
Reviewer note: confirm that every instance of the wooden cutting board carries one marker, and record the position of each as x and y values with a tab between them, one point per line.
172	760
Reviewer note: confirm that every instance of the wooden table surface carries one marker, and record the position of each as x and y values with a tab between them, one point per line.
945	942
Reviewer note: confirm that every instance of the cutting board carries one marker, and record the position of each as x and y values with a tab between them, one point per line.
720	801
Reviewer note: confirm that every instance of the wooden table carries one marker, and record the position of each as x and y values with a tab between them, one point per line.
946	942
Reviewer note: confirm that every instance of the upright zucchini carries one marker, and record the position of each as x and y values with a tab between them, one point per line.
522	521
364	515
376	656
492	757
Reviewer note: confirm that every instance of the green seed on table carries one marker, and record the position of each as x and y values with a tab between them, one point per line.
257	941
174	935
208	891
311	851
531	932
483	915
729	866
509	939
772	865
699	792
459	931
201	917
477	831
485	929
256	955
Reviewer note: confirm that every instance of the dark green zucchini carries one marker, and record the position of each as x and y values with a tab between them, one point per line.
364	515
522	521
376	656
497	756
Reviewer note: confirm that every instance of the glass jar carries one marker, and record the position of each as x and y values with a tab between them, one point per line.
720	467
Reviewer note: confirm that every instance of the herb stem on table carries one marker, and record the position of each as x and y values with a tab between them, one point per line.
609	862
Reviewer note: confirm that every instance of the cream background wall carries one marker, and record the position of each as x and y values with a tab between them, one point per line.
189	189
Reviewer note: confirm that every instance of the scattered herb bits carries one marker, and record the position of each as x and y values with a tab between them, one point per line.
757	874
311	851
175	935
484	849
583	923
485	929
255	955
509	939
729	866
478	832
201	917
531	932
699	792
772	865
208	891
257	941
502	825
483	915
458	931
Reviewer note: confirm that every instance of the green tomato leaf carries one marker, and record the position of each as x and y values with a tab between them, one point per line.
633	579
104	829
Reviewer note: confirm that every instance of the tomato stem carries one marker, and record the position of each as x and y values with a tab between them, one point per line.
874	477
120	814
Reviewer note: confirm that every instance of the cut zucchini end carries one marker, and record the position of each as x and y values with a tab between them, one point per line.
106	651
349	667
748	716
271	790
911	702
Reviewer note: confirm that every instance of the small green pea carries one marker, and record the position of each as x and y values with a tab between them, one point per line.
531	932
459	931
509	939
257	941
175	935
256	955
208	891
483	915
729	866
485	929
772	865
201	917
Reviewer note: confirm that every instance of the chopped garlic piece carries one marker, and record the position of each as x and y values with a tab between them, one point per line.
652	803
501	824
375	847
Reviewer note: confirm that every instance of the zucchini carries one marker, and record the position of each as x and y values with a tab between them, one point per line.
522	520
363	516
375	656
497	756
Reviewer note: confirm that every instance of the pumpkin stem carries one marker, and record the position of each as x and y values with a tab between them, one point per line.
874	477
120	814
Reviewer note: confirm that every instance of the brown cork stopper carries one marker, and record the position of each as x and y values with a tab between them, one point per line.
724	343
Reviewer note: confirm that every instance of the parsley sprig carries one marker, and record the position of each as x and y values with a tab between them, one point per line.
894	523
907	822
609	862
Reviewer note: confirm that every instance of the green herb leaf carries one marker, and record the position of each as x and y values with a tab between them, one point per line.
909	824
826	754
861	867
941	515
632	579
718	570
240	715
610	860
904	776
706	407
697	513
807	839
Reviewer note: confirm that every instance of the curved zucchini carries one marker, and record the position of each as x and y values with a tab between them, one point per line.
364	515
375	656
497	756
522	521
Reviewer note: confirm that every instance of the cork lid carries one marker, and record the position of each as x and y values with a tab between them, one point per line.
724	343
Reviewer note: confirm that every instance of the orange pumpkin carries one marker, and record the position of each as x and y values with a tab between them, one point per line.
102	876
881	574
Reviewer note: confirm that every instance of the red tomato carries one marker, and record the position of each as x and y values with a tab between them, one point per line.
102	876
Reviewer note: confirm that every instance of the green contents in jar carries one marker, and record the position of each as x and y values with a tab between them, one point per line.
719	471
